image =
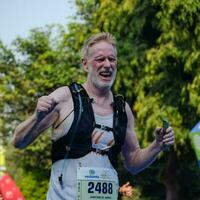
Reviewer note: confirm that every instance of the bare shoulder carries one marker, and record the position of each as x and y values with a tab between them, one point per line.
129	113
61	94
130	125
63	98
131	142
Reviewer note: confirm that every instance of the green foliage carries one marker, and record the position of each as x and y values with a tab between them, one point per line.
30	168
33	187
158	72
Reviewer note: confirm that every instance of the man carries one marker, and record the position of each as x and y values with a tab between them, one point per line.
90	128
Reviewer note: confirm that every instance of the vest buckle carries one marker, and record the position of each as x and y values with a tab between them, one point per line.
67	148
103	127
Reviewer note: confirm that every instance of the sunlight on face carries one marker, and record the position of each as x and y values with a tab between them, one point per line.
102	65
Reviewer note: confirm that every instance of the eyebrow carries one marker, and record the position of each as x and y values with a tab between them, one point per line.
98	56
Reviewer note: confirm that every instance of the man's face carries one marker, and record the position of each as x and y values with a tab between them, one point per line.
101	64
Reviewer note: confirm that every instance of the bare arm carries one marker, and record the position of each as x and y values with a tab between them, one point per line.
137	159
46	114
26	132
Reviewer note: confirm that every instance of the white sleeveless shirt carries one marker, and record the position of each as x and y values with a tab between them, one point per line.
102	140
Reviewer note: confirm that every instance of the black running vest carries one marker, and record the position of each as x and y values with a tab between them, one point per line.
78	144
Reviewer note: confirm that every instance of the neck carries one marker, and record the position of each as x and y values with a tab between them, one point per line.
98	94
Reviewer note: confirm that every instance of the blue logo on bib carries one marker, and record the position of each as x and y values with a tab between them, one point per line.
91	172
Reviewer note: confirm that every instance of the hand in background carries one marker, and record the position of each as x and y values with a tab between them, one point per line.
126	190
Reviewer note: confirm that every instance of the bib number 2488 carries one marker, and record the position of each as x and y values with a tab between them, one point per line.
100	187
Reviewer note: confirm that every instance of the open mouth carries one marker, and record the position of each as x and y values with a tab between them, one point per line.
106	74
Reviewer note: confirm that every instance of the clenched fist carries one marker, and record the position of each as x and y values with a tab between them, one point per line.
44	106
164	137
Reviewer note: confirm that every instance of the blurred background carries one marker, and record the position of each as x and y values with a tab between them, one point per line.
158	73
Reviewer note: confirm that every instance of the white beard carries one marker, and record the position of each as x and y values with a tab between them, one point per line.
98	83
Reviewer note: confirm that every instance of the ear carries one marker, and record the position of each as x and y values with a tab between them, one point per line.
84	63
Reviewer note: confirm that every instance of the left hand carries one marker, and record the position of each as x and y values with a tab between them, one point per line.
164	138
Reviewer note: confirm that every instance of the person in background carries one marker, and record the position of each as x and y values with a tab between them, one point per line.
91	126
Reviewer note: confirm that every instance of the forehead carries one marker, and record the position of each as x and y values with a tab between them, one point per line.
102	48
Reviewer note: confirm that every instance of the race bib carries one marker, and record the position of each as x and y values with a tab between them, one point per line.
96	183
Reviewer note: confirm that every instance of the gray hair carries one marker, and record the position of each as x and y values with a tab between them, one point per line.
104	36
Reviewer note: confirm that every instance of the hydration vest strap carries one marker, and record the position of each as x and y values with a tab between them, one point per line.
77	89
103	127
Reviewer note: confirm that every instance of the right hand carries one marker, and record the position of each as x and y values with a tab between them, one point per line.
126	190
45	105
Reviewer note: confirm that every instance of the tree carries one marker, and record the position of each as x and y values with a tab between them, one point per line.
158	43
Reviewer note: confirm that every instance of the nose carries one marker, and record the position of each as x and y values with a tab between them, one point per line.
107	63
